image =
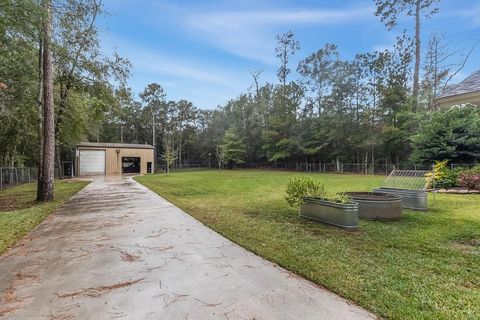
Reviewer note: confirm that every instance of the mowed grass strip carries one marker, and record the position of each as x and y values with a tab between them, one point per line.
426	266
19	212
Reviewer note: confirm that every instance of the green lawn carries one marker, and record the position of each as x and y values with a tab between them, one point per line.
19	212
426	266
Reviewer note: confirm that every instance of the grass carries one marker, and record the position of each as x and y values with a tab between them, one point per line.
20	213
426	266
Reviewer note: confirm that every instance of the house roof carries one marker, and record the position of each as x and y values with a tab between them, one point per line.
467	91
470	84
114	145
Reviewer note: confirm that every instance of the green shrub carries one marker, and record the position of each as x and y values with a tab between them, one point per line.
299	188
444	177
449	178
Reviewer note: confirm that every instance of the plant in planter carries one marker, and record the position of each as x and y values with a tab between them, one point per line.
315	204
299	188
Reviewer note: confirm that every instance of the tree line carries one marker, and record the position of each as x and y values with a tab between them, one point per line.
369	109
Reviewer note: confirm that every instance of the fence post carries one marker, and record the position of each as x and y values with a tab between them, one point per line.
433	184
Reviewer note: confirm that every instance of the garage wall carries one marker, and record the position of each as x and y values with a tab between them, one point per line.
113	161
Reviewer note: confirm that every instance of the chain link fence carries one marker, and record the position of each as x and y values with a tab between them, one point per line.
11	176
358	168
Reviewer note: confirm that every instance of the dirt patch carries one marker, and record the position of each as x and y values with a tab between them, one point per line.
98	291
11	301
4	311
25	277
469	245
130	257
371	195
10	203
9	295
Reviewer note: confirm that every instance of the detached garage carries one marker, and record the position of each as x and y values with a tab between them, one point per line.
113	158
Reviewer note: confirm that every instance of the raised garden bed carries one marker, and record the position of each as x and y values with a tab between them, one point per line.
344	215
411	199
377	205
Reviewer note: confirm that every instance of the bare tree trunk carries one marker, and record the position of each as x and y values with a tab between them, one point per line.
39	115
46	181
416	71
256	76
180	149
59	160
154	140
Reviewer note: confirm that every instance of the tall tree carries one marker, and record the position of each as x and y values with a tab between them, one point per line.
389	12
83	72
286	47
154	99
45	190
184	117
317	70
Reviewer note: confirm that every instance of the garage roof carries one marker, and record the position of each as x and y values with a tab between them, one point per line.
114	145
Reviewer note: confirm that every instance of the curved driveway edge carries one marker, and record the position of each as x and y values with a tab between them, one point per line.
117	250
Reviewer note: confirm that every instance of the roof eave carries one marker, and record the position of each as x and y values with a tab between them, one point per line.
93	145
459	99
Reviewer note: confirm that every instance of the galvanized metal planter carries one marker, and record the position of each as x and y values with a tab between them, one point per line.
377	205
337	214
411	199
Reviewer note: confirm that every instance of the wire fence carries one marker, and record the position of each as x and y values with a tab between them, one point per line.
11	176
406	179
454	166
357	168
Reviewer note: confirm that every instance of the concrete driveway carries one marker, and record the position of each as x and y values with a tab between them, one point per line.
117	250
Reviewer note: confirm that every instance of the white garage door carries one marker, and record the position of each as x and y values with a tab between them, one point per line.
92	162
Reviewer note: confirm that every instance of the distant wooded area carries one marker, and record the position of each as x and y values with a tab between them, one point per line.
378	108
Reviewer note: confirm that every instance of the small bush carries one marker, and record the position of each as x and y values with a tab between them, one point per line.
444	177
299	188
470	178
449	178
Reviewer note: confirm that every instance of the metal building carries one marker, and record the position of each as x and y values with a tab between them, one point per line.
113	158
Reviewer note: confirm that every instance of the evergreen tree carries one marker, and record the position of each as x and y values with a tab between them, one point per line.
233	148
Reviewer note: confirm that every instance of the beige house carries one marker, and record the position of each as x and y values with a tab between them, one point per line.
465	92
113	158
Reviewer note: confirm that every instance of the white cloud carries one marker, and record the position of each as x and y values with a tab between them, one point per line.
164	65
475	16
472	15
250	34
285	16
204	83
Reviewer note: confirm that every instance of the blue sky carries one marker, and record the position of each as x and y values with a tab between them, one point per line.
203	50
